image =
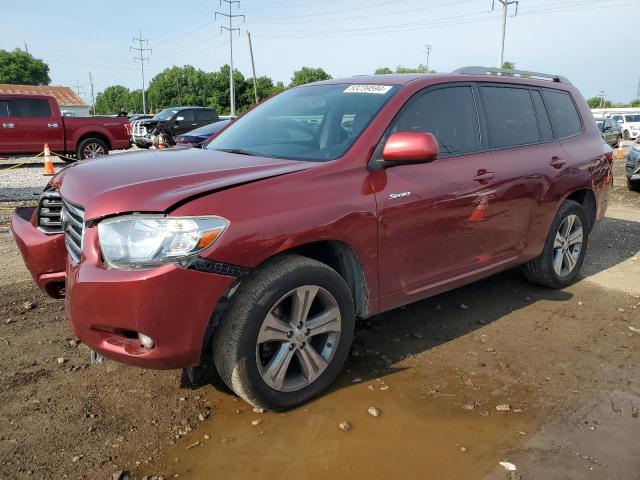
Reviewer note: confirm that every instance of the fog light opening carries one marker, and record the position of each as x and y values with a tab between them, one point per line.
145	340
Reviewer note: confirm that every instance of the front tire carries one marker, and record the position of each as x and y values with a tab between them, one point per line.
287	333
91	148
633	185
559	263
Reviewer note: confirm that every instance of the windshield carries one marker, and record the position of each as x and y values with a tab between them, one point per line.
165	114
317	122
209	129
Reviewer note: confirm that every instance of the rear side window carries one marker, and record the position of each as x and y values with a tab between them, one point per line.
30	107
204	115
448	113
511	118
564	115
544	124
4	108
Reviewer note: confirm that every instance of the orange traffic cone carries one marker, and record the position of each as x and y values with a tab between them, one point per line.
619	152
480	211
48	163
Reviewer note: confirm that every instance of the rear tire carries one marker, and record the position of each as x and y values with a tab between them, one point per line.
559	263
633	185
262	350
91	148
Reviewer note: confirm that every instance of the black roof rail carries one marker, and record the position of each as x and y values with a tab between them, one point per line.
512	73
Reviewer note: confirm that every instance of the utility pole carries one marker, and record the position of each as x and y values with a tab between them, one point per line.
93	98
505	7
638	92
230	29
26	47
428	47
253	68
78	88
140	49
602	96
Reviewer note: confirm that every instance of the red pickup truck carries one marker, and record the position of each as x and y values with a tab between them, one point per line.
29	121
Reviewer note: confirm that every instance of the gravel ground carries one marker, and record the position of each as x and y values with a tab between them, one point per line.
26	181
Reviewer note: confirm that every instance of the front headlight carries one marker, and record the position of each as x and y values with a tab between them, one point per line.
144	241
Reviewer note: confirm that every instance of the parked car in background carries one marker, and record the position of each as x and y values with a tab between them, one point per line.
630	125
258	252
199	135
611	131
27	122
633	167
176	121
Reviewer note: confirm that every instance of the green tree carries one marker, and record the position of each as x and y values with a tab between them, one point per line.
383	71
177	86
308	75
112	100
20	68
596	102
635	103
509	65
400	69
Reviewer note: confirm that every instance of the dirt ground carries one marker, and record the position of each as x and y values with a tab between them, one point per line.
561	366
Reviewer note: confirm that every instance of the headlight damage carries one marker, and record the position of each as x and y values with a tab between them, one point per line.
143	241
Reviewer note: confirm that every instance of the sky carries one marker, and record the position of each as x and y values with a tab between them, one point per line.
594	43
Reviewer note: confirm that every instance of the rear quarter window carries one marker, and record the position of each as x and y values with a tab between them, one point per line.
564	115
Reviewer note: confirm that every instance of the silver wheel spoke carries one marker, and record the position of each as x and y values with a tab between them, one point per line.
277	368
301	303
569	261
569	225
558	260
559	240
327	321
274	330
575	236
311	363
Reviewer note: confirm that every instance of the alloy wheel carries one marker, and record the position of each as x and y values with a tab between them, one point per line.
567	245
92	150
298	338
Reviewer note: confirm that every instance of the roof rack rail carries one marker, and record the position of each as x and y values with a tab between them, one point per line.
509	72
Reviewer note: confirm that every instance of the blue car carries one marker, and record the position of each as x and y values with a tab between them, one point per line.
633	167
199	135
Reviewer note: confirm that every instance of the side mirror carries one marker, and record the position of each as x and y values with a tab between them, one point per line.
179	119
410	147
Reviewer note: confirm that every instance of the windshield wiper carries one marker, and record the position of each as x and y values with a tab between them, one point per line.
241	151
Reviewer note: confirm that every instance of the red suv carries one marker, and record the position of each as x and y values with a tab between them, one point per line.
329	202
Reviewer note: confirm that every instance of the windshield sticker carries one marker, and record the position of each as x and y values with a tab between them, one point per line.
376	89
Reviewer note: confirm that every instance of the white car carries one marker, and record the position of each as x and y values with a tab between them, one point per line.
630	125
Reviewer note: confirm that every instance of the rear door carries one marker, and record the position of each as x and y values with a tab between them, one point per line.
8	136
32	124
204	116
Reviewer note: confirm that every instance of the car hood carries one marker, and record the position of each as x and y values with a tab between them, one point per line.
155	180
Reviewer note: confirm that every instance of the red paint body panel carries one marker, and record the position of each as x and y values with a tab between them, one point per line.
455	226
30	134
44	255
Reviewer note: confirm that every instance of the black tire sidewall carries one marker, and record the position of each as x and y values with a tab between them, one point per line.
325	278
87	141
568	208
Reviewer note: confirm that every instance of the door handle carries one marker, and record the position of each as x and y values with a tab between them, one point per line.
52	125
8	125
556	162
483	176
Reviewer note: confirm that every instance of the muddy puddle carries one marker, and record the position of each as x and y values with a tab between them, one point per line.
428	428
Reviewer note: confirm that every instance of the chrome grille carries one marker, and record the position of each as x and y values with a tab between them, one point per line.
49	210
138	129
73	225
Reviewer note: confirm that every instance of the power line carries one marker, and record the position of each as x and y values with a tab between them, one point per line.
142	59
505	7
230	29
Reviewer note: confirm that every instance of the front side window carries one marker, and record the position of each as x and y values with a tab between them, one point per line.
449	114
315	122
165	114
30	108
187	115
564	115
511	118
